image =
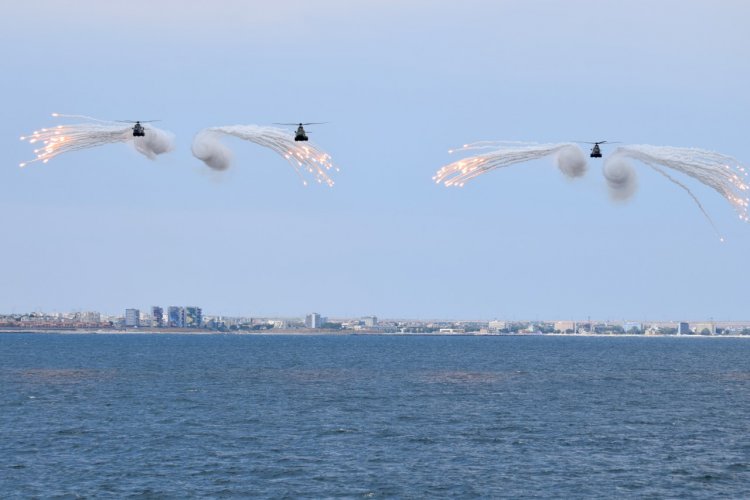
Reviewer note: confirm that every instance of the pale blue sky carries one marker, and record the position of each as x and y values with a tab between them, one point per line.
401	82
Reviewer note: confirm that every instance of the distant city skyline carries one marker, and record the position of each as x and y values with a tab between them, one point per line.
191	320
190	316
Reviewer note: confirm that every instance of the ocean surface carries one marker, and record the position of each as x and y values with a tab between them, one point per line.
175	416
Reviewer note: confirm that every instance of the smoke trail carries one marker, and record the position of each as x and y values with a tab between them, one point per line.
722	173
303	156
621	178
74	137
695	199
505	154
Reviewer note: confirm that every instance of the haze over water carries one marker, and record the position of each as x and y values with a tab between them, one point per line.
181	415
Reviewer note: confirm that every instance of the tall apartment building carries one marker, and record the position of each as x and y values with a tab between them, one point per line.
157	317
313	320
193	317
132	317
370	321
176	317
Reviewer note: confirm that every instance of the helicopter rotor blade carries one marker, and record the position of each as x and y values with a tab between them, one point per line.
298	123
598	142
134	121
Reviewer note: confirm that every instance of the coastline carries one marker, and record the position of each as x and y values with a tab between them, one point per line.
333	333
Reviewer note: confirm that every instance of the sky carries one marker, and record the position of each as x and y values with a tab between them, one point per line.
399	83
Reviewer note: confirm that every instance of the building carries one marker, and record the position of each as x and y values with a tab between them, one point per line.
176	317
452	331
132	318
496	325
313	320
157	317
370	321
89	317
193	317
629	326
683	328
704	328
566	326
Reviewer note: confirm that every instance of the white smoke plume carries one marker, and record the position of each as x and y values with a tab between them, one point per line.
621	178
208	149
724	174
74	137
304	157
571	160
154	143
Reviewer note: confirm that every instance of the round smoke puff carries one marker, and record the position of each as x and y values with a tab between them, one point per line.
621	178
155	142
207	148
572	162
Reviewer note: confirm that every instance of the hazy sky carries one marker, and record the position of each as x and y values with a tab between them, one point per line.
400	82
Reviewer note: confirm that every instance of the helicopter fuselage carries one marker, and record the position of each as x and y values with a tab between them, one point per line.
138	130
300	135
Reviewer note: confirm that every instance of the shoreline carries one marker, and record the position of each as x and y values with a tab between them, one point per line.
336	333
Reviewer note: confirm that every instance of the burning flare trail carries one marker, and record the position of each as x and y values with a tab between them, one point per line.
724	174
74	137
570	160
304	157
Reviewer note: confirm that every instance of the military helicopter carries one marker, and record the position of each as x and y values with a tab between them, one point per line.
300	134
596	152
138	129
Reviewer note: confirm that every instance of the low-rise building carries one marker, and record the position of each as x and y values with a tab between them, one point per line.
496	325
565	326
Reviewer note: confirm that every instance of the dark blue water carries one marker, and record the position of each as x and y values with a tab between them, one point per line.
237	416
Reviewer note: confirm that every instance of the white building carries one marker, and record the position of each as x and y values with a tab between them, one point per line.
370	321
496	325
313	320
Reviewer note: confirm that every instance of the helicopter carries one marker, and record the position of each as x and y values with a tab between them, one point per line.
138	129
300	134
596	152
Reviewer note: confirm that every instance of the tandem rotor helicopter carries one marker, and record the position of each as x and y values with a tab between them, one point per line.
138	129
300	134
596	152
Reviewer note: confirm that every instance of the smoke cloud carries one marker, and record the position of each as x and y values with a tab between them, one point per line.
571	161
504	154
154	143
621	178
210	150
61	139
303	156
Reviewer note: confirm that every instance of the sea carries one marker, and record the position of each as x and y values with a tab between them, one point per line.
238	416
